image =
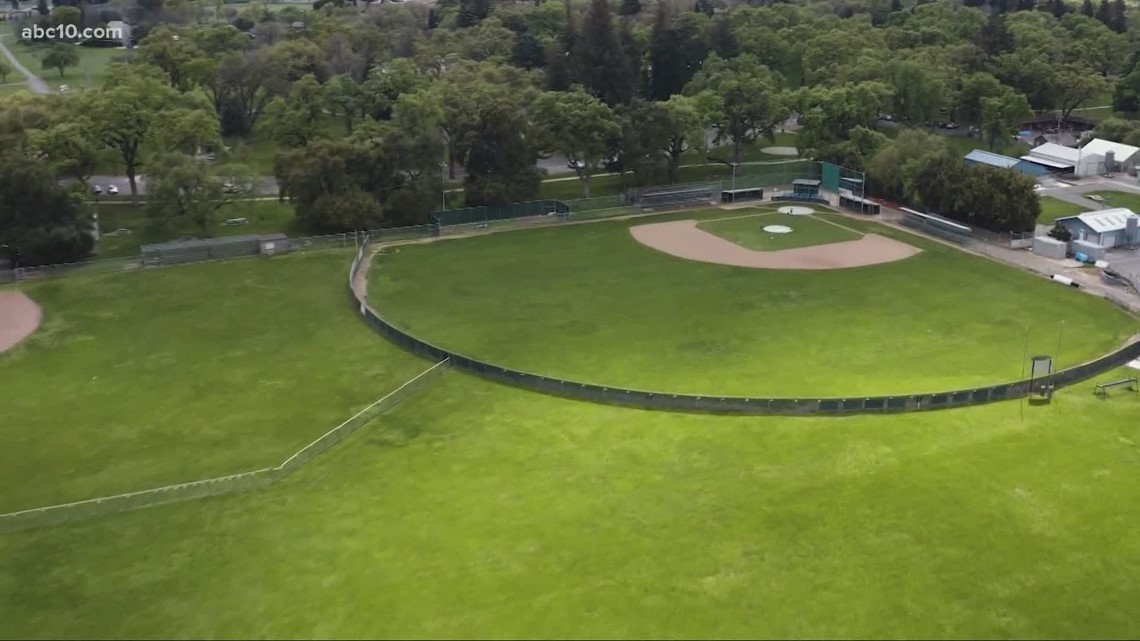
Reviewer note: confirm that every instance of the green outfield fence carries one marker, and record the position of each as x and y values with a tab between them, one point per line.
712	404
81	510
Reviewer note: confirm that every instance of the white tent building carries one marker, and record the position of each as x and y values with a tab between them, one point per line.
1097	157
1061	159
1117	156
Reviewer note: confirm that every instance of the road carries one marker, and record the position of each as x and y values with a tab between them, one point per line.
1072	191
34	82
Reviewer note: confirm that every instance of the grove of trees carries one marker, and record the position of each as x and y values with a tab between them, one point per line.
369	109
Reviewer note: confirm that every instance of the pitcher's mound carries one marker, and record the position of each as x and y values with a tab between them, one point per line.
796	210
778	229
19	317
780	151
683	239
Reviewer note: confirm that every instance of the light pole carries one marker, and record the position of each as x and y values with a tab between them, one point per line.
443	186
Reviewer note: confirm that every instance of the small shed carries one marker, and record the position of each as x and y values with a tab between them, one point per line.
1092	250
1049	247
1116	227
272	244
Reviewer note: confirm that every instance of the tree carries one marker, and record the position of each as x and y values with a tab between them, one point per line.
995	37
677	50
1087	8
1119	20
578	126
40	222
685	121
296	117
136	112
751	103
1072	84
5	71
501	151
245	84
830	115
600	62
916	94
63	15
723	39
1104	13
182	187
968	102
472	12
168	50
630	7
896	6
527	52
892	170
1002	116
60	57
69	147
1058	8
1126	93
433	19
1061	233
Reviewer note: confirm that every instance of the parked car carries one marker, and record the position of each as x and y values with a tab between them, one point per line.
230	188
96	189
112	190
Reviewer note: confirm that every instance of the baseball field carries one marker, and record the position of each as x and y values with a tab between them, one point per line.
477	510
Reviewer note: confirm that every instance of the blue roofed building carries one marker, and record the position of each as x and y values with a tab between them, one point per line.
990	159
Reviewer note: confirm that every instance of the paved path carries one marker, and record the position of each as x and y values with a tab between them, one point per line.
1074	191
34	82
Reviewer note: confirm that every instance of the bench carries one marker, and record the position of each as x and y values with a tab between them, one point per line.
1102	388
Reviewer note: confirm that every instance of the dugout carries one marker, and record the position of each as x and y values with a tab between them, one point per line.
805	188
737	195
861	205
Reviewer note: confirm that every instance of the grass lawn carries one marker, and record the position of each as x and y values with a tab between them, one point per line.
1053	208
1118	199
747	230
139	380
12	88
265	216
93	65
478	511
588	303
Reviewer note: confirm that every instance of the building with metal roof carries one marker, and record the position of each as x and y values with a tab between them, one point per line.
989	159
1118	227
1067	160
1117	156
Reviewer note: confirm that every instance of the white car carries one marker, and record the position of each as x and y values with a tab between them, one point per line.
112	190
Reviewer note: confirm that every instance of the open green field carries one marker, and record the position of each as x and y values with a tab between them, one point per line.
588	303
1118	199
1053	208
94	63
265	216
747	230
173	375
479	511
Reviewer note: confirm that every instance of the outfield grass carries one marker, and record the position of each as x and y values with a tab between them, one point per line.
265	217
586	302
748	231
479	511
1053	208
166	376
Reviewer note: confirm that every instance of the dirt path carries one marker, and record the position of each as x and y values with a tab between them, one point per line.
34	82
19	317
683	239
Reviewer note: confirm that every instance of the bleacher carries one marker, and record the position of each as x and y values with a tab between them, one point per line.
936	226
678	196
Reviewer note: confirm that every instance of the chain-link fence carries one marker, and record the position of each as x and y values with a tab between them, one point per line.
80	510
135	263
735	405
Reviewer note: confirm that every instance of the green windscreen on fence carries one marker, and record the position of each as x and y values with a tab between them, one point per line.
488	213
830	178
